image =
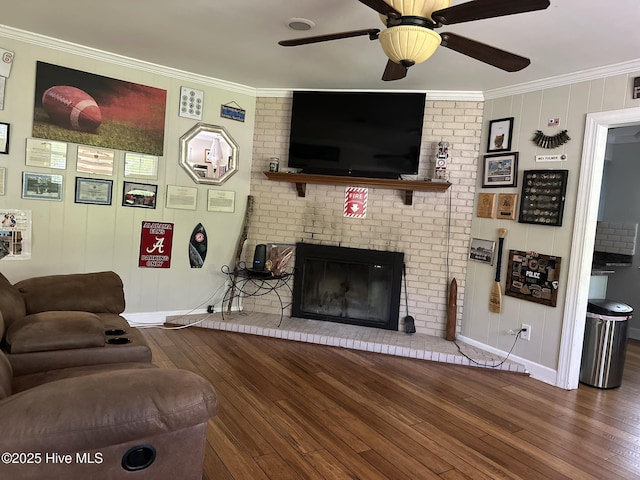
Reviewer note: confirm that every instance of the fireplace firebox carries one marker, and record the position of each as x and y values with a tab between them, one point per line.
347	285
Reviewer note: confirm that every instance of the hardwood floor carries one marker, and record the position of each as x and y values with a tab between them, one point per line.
291	410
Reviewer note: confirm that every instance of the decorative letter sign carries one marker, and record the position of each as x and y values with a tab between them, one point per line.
355	202
155	245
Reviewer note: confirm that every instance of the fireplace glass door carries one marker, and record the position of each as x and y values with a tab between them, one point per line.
347	285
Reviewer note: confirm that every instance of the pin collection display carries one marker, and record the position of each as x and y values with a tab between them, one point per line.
551	141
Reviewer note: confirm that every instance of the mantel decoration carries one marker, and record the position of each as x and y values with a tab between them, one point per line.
551	141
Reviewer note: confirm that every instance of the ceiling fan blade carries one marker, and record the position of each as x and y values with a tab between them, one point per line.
394	71
382	8
372	32
481	9
509	62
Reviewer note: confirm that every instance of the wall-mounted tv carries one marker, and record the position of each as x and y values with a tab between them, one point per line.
361	134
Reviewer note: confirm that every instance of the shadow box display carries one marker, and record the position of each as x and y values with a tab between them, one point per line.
542	197
533	276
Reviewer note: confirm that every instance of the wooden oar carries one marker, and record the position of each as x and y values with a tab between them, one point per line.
495	298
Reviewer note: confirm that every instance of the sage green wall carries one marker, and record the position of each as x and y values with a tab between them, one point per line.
570	103
70	237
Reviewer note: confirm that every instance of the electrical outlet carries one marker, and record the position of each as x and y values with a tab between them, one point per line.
525	333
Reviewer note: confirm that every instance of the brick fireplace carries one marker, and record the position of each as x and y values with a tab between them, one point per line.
433	233
347	285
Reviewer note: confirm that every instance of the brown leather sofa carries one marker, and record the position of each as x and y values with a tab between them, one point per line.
61	321
73	417
125	421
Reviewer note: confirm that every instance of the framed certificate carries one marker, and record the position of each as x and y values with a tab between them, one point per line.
41	186
93	191
4	137
179	197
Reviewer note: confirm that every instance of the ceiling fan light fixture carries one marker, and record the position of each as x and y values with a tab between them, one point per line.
409	43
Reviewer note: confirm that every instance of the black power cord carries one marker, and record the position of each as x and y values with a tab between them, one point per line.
485	364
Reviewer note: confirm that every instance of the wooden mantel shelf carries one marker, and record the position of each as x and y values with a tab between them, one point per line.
406	186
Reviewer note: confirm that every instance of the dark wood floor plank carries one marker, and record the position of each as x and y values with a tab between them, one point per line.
585	458
275	467
331	440
403	444
290	410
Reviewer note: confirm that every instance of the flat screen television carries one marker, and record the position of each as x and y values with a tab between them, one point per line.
360	134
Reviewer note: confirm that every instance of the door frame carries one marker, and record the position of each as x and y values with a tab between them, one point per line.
582	244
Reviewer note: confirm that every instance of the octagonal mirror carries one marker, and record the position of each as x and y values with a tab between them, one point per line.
208	154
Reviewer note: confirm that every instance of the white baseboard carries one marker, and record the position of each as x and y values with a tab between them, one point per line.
535	370
159	318
156	318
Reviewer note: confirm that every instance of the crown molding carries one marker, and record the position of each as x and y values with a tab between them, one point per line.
623	68
121	60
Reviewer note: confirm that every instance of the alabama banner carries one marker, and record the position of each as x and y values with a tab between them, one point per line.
155	245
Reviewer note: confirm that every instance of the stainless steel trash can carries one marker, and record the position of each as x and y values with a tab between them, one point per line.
605	343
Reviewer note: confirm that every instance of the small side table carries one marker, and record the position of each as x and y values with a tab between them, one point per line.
244	282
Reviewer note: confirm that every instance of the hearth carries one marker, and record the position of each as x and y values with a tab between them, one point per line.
347	285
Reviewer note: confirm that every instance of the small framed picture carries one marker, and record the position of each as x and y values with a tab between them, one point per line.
482	250
507	206
500	132
42	186
141	195
486	205
93	191
4	137
500	170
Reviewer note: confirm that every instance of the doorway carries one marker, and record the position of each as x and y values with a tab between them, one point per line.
580	260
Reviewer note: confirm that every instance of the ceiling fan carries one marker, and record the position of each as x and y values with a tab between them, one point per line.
410	35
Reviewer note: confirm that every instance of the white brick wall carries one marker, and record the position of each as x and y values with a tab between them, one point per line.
419	230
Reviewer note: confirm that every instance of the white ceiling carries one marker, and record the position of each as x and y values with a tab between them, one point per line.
238	42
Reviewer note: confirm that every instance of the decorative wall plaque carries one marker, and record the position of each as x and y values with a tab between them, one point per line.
507	206
486	205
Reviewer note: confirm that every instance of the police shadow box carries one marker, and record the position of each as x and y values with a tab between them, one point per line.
533	276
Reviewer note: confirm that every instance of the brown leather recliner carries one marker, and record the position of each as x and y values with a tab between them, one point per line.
61	321
102	421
